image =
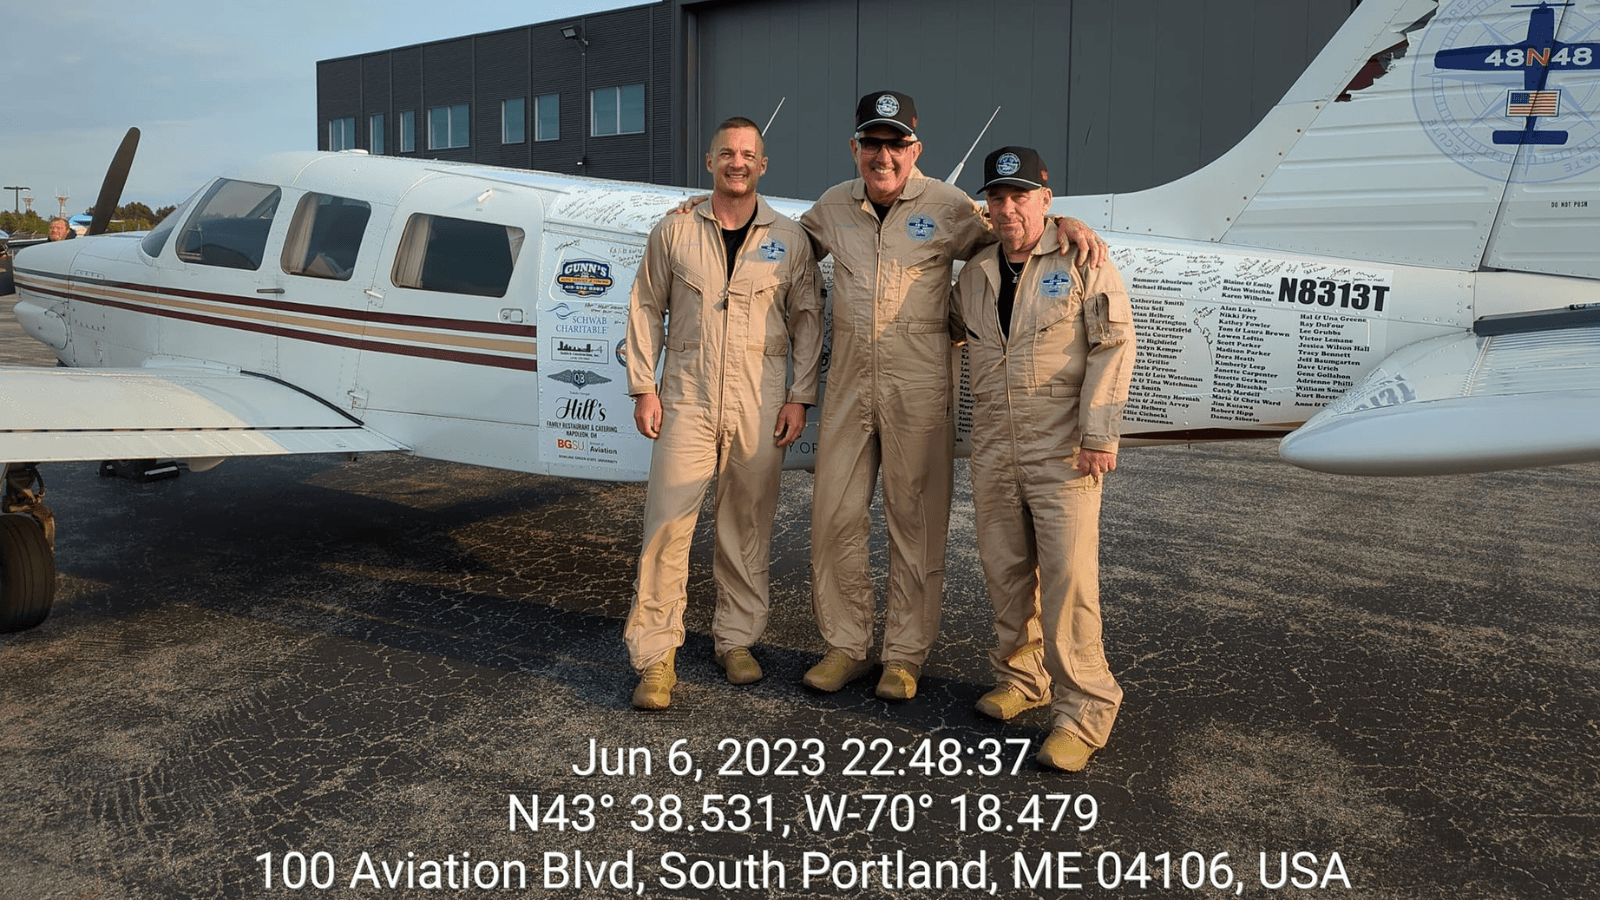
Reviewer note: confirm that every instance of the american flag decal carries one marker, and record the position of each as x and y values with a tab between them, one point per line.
1533	103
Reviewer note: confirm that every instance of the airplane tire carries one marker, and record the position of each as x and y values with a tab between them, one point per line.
27	573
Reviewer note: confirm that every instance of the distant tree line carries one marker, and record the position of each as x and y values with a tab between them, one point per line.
133	216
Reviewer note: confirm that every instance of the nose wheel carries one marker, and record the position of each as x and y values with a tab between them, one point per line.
27	555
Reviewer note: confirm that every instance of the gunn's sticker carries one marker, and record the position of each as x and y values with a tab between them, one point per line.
584	277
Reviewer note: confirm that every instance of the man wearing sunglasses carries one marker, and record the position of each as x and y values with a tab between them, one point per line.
894	234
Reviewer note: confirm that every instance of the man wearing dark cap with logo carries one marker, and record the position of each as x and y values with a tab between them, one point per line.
1051	349
893	234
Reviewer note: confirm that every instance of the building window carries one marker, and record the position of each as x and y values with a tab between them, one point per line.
457	256
408	132
375	134
447	127
512	114
617	110
325	236
342	133
547	117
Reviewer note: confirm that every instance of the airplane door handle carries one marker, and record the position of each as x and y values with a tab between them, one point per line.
269	290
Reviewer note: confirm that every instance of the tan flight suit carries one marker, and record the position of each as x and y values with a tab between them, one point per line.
1059	382
888	404
728	343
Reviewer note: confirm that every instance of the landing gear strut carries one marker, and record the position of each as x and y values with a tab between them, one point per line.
27	554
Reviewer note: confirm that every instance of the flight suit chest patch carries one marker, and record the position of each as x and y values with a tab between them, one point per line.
1056	284
772	250
921	227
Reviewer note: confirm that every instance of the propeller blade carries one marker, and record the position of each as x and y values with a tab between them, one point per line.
116	176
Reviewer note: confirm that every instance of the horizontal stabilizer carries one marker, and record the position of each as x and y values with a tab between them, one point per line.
63	415
1463	403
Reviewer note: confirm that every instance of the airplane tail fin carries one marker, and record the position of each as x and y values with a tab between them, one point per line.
1460	134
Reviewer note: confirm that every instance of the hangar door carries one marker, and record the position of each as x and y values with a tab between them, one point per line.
1142	92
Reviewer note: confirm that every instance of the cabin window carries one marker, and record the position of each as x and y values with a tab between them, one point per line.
153	243
617	110
230	224
457	256
325	236
375	134
512	115
447	127
547	117
342	133
408	131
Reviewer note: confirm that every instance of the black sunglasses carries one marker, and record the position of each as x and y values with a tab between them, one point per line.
873	145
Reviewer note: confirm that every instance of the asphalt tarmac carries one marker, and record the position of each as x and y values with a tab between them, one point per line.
383	676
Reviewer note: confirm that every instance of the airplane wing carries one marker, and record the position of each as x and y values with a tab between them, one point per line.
1518	391
62	415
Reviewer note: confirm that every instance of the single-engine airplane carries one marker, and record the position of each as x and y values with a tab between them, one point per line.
1397	270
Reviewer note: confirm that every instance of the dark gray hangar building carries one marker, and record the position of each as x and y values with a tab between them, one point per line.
1141	91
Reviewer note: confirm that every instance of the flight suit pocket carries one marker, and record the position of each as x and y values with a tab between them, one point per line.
918	351
1059	344
916	358
774	367
1110	317
924	288
681	375
690	277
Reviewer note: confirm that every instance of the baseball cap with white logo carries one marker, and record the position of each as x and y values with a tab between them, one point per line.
887	108
1017	166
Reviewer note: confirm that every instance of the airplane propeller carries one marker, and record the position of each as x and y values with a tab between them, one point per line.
116	177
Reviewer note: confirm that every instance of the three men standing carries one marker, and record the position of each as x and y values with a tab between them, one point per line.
739	283
1051	350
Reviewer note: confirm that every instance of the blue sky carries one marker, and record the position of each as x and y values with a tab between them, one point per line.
210	86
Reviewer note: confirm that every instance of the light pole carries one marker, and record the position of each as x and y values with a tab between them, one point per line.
571	33
16	196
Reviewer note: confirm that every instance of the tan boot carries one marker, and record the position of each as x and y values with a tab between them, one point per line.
836	670
655	685
740	666
1006	702
899	680
1065	751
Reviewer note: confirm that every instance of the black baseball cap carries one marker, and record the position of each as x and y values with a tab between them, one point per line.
888	108
1017	166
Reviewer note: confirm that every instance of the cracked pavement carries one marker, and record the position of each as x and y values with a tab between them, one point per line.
307	656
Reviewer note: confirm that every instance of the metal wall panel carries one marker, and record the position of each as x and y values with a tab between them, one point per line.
751	56
406	84
1177	110
627	46
1116	95
502	74
375	94
338	94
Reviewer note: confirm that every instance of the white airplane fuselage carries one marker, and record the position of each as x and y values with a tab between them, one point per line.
1233	341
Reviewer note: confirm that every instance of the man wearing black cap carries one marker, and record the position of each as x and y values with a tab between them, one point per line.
893	234
1051	350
